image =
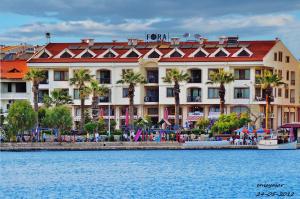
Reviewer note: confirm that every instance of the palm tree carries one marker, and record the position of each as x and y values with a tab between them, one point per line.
79	79
221	77
58	97
176	76
97	91
268	81
35	76
132	78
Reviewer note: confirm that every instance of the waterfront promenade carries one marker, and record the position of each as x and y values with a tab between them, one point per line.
31	146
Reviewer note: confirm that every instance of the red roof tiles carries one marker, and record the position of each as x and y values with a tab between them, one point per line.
13	69
259	49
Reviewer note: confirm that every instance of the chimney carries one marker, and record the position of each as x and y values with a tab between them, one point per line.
175	41
90	42
222	39
132	42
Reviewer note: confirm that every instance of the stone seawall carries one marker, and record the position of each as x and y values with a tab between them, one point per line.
110	146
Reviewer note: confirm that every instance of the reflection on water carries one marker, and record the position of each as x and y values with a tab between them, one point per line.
147	174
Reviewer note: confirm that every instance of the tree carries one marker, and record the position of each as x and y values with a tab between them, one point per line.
35	76
91	128
268	81
58	117
203	124
132	78
58	97
21	117
176	76
222	78
79	79
97	91
226	124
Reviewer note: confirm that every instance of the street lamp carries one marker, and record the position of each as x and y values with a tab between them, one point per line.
109	104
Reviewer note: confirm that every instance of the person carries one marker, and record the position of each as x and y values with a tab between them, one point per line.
231	140
97	137
44	137
87	137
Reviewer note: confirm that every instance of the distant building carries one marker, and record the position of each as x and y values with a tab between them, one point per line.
246	59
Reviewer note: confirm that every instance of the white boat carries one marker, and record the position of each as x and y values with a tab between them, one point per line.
272	144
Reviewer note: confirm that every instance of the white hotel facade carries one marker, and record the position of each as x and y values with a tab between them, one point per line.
245	59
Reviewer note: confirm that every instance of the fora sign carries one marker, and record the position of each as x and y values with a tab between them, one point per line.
156	37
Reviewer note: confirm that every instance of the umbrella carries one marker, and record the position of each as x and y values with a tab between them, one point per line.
101	113
127	117
260	130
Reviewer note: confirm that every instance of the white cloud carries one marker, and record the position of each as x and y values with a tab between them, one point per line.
236	22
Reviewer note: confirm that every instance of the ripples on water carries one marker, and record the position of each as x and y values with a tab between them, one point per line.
147	174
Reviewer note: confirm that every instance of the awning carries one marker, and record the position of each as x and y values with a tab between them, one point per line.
292	109
291	125
193	118
286	110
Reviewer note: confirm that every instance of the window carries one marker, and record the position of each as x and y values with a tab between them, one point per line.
287	59
125	92
61	75
242	74
152	111
21	87
210	71
293	81
87	55
214	108
76	94
154	54
66	55
200	53
241	93
240	109
286	93
125	70
9	90
77	112
104	77
279	92
280	56
244	53
195	76
175	54
44	55
280	73
221	53
132	54
109	55
213	93
42	94
275	56
287	75
170	92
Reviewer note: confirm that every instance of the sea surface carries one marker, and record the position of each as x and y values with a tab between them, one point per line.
173	174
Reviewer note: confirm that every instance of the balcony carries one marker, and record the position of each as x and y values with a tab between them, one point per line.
195	80
104	99
262	99
293	82
103	80
193	99
292	100
151	99
195	76
152	80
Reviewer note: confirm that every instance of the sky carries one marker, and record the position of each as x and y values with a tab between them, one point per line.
106	20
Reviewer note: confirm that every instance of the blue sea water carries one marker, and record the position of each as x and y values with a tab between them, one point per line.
148	174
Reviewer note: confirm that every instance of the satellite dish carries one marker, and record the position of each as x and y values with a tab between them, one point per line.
197	36
185	35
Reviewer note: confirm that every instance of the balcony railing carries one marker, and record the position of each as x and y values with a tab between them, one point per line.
45	81
262	99
151	99
104	99
103	80
195	80
193	99
292	100
152	79
293	82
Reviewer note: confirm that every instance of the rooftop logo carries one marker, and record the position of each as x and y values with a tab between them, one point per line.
157	37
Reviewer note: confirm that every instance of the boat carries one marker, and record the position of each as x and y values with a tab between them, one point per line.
272	144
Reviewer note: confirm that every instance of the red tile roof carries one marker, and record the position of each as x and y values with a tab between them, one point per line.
259	49
13	69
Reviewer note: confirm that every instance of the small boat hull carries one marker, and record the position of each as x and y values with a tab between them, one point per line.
273	146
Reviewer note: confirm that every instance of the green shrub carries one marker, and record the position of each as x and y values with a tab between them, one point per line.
111	138
117	132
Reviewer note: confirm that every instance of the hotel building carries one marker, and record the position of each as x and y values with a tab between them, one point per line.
108	60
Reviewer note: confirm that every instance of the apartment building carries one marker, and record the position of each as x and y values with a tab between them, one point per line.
107	61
